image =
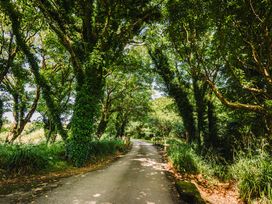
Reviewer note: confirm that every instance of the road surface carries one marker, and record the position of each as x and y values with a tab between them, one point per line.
138	177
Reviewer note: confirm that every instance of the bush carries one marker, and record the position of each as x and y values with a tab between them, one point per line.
25	159
5	152
183	157
254	176
215	163
81	154
186	159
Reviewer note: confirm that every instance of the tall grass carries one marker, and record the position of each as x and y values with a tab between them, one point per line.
254	176
94	150
252	171
188	159
183	157
26	159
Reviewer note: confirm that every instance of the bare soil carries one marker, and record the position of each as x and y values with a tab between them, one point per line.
213	192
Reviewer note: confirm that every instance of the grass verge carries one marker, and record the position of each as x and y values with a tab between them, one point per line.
254	177
35	159
23	187
253	174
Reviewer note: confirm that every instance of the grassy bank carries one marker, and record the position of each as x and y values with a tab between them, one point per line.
254	177
253	174
34	159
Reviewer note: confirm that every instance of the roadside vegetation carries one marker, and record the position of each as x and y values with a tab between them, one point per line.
78	78
26	159
252	173
249	167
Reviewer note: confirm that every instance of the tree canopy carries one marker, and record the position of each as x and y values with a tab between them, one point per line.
90	69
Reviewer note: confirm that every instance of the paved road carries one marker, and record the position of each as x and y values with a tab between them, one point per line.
138	177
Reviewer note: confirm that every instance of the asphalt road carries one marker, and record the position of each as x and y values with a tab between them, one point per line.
137	177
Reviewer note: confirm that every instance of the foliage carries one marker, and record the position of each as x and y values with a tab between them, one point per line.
187	159
92	150
25	159
163	121
91	35
96	64
1	113
183	157
254	176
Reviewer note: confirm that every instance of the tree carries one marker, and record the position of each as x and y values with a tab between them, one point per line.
175	90
190	31
13	14
242	30
7	47
105	29
57	69
1	113
16	87
94	33
225	45
164	120
133	107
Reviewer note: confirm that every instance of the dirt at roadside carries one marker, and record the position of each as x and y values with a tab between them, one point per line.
22	189
213	193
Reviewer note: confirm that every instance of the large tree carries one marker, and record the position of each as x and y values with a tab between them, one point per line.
94	33
25	46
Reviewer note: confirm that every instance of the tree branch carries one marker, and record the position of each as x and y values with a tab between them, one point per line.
234	105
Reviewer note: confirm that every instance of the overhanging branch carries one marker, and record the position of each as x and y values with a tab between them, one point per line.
234	105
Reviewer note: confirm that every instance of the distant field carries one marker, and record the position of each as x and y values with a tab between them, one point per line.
31	134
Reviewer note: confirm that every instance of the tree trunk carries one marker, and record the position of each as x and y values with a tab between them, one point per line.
19	114
102	126
86	112
17	132
120	128
105	114
176	91
212	139
13	14
268	121
185	110
200	110
1	113
86	108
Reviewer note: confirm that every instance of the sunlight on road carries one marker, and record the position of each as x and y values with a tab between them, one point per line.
151	163
139	178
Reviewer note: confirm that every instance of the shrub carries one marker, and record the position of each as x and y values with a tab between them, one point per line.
183	157
81	154
254	176
186	159
5	151
24	159
215	164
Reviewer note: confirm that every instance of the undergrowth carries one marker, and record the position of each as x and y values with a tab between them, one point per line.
28	159
186	160
254	176
25	159
81	154
253	172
